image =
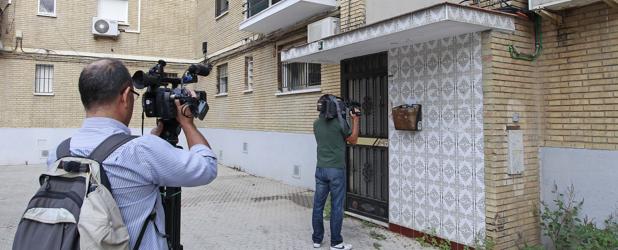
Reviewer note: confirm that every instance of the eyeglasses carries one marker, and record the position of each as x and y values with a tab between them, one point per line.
133	91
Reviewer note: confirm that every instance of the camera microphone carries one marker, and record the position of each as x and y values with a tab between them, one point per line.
200	69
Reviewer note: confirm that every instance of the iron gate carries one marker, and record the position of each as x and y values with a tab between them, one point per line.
365	80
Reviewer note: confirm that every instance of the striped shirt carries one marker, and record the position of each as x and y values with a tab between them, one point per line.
138	168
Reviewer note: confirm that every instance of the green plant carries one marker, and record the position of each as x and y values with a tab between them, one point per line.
377	246
377	236
431	240
562	224
482	242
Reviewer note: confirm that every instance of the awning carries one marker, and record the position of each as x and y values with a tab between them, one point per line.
438	21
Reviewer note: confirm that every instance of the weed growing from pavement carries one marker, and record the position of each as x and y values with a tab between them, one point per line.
377	246
377	236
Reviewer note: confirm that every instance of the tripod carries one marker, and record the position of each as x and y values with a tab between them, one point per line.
171	195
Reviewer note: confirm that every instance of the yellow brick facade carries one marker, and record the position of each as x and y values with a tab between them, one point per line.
23	109
221	31
167	29
66	41
511	87
352	14
261	109
580	75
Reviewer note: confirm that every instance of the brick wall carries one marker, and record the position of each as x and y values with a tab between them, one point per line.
511	86
22	109
167	29
352	14
222	31
580	75
261	109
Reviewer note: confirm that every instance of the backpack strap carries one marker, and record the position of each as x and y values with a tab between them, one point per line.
151	218
106	148
64	149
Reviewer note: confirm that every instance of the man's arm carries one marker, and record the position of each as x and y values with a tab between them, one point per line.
353	138
175	167
170	166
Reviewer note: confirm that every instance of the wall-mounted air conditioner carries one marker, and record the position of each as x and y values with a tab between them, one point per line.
558	4
326	27
104	27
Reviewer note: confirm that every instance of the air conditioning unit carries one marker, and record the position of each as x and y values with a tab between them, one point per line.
326	27
558	4
104	27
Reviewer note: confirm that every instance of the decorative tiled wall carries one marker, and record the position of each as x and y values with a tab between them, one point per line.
437	174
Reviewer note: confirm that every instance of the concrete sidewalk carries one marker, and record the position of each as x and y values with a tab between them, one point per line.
236	211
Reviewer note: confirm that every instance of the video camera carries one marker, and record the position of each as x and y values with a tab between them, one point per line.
158	101
328	105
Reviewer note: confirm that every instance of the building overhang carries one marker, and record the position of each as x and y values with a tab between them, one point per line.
284	14
438	21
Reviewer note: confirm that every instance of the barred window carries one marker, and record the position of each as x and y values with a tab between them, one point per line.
221	7
43	79
248	73
47	7
222	79
295	76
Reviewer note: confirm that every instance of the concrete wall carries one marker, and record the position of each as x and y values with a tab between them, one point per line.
378	10
269	154
591	172
26	145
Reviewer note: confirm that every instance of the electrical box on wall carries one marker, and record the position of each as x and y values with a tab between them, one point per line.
408	117
516	152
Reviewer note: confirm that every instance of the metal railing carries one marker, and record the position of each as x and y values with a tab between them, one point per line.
297	76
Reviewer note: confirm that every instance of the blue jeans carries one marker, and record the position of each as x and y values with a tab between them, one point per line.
327	180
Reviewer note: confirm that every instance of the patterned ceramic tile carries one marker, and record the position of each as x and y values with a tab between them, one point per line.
446	175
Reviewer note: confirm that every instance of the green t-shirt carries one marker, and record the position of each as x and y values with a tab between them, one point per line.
330	137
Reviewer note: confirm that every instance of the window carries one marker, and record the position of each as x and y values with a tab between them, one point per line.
248	73
221	7
295	76
222	79
256	6
114	10
47	7
43	79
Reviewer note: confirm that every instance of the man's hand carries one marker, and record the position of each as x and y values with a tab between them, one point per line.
158	129
184	115
353	138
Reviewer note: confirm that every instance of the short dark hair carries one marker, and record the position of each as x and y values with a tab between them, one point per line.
102	81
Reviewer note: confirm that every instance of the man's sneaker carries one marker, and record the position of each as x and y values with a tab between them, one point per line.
317	245
341	246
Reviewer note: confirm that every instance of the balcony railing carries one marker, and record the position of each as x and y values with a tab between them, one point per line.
256	6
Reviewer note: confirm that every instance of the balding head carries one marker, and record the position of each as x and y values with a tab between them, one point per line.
102	81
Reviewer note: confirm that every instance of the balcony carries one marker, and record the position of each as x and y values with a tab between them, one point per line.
265	16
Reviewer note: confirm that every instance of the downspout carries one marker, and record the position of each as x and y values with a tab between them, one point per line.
538	43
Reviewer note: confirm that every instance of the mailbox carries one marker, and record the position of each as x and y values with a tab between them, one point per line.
408	117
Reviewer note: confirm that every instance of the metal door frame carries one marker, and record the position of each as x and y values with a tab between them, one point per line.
373	138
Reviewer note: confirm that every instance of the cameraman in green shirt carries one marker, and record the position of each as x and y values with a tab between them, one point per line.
331	134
